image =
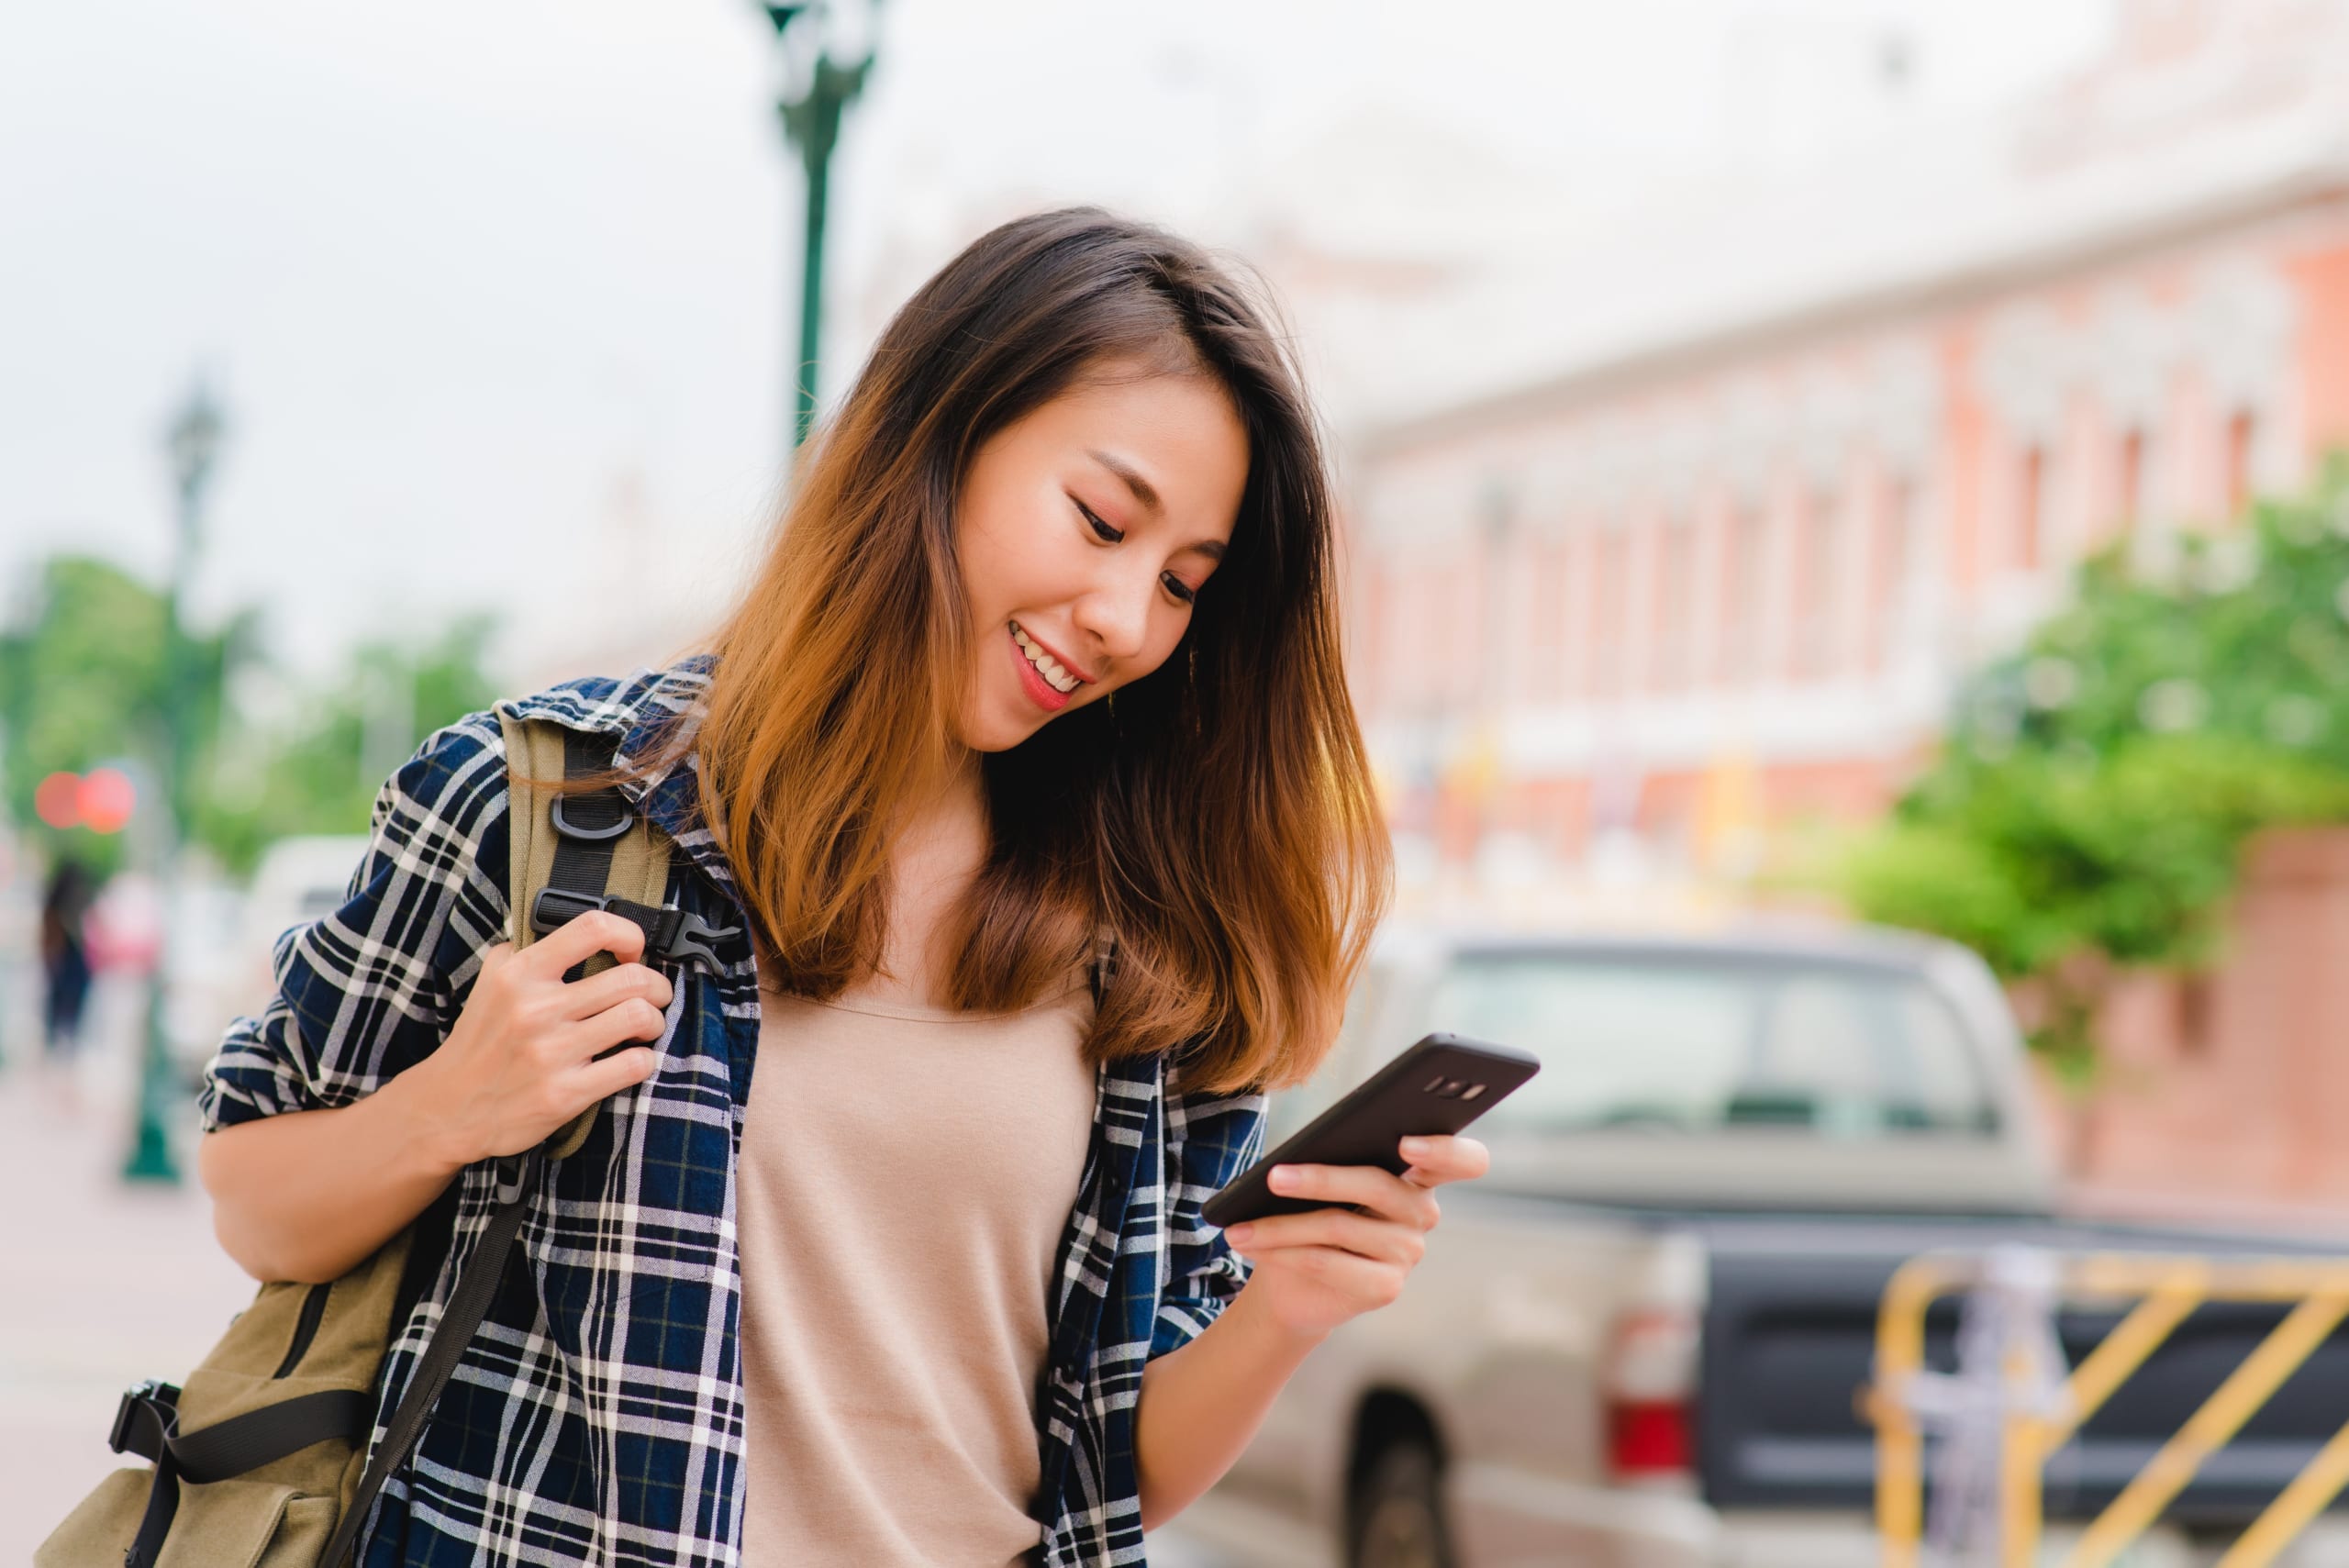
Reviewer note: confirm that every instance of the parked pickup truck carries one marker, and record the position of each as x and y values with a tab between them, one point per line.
1641	1340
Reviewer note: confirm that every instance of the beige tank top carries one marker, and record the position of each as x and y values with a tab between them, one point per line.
906	1175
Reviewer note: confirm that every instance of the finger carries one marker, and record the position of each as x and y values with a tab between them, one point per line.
582	937
1383	1239
630	1018
585	998
1381	1192
1367	1281
623	1070
1446	1158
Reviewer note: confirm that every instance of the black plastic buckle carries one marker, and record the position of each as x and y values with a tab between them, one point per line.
570	830
693	938
674	935
152	1391
515	1174
556	907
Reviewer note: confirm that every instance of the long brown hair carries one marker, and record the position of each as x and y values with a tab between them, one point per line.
1216	816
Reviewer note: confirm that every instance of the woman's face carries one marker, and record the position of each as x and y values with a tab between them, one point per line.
1086	529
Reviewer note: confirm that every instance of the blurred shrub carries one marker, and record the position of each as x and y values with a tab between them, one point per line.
319	772
2088	807
82	683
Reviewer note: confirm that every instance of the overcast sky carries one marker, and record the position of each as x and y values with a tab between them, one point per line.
495	292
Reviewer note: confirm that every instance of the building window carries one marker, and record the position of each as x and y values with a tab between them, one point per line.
1676	593
1742	593
2195	1014
1611	587
2130	493
1552	567
1815	598
2030	509
1889	568
2243	429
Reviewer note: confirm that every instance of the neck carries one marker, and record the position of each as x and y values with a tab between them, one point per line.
956	788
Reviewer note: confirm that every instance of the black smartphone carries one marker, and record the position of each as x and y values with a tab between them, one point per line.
1439	1085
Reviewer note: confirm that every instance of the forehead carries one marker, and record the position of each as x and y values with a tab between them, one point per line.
1180	430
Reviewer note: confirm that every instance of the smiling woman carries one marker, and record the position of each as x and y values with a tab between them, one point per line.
1025	765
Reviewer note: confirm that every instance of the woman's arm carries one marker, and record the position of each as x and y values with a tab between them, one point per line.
1201	1404
405	1039
308	1196
308	1193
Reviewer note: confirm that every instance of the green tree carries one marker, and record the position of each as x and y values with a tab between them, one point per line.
319	773
82	683
2087	810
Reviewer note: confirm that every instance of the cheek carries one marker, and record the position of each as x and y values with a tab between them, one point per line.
1012	558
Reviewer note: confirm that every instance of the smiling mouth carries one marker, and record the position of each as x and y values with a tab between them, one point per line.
1056	675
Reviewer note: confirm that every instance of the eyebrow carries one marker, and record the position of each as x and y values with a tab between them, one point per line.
1144	492
1147	494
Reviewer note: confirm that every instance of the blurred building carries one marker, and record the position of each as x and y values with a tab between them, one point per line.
1694	526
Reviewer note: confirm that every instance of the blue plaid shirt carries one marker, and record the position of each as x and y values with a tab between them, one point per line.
596	1416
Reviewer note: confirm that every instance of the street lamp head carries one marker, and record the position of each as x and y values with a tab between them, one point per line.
195	438
832	30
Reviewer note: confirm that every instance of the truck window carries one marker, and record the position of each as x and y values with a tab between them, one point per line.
1681	1045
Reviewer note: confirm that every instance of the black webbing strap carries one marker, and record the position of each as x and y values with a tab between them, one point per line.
586	828
147	1424
141	1423
246	1442
518	1174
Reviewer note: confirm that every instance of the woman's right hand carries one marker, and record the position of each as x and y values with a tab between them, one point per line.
520	1062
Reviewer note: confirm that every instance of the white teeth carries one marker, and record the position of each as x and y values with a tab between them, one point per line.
1059	679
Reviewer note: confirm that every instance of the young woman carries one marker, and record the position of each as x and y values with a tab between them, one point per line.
1043	663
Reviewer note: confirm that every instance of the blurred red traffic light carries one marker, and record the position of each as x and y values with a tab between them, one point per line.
101	800
106	798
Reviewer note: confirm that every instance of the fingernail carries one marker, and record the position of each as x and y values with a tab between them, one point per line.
1282	1176
1237	1235
1414	1147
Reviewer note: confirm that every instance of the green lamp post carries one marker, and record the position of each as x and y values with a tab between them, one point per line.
193	443
817	91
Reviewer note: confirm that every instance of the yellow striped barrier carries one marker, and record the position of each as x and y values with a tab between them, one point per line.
2166	1289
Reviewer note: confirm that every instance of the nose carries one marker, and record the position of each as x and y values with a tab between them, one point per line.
1115	615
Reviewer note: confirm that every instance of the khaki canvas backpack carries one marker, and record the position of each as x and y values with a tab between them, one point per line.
259	1459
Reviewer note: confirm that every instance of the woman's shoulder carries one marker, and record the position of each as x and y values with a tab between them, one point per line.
618	705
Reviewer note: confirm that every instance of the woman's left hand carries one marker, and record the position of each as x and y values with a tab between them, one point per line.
1316	1269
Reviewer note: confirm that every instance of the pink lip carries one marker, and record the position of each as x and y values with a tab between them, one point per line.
1033	680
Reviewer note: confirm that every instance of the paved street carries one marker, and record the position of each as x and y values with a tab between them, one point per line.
111	1282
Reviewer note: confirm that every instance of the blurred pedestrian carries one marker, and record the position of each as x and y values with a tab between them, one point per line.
64	967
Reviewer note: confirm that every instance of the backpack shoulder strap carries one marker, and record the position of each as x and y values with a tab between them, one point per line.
596	846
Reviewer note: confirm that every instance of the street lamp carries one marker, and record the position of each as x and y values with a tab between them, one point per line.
192	443
817	87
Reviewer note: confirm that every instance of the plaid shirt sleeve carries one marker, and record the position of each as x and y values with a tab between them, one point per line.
1209	1140
369	989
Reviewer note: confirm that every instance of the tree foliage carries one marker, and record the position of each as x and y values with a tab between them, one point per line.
83	683
2088	807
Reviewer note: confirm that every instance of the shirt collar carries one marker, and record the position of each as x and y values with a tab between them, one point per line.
641	712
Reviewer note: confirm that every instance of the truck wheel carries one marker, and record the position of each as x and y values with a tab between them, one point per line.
1397	1516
